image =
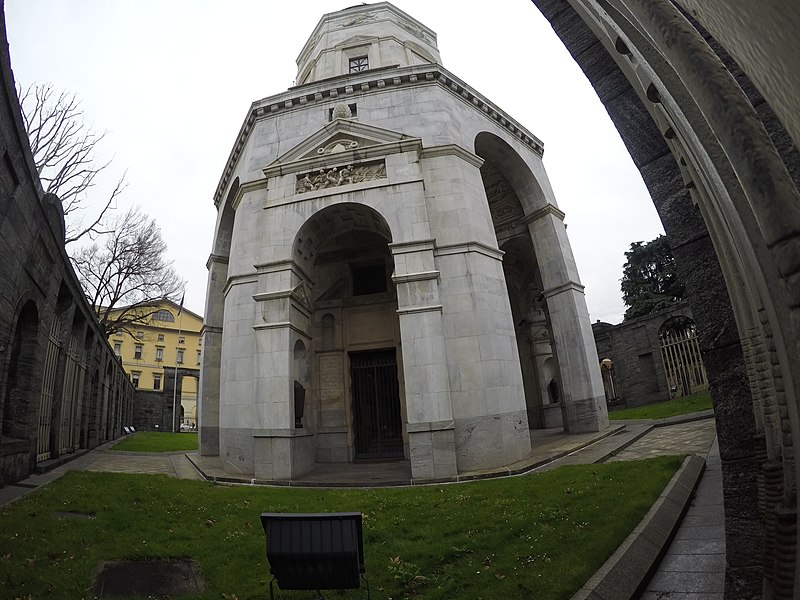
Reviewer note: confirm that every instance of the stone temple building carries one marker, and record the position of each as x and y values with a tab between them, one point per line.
391	275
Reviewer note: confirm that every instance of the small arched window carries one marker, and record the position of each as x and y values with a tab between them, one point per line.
163	315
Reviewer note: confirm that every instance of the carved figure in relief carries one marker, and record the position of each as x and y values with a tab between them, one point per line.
335	176
305	184
331	178
346	175
319	180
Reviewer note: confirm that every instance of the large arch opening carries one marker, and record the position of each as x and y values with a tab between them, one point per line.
528	225
20	393
355	381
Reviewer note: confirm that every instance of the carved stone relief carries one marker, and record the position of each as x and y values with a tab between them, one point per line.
504	204
359	19
336	176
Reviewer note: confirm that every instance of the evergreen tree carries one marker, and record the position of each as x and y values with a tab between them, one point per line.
649	280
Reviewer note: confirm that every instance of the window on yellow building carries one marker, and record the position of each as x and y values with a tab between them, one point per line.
137	352
180	356
156	381
117	348
159	354
181	340
160	337
135	378
163	315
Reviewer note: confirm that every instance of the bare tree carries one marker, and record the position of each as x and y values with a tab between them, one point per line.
63	149
127	276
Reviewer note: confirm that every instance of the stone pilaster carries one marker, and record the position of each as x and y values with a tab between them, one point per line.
281	451
583	405
429	412
211	336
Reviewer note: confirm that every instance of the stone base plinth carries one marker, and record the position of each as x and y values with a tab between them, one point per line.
584	416
209	441
551	415
432	449
492	441
332	445
283	454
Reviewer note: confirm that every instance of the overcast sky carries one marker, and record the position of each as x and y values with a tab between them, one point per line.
172	80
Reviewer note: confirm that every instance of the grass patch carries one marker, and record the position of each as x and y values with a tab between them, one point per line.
539	536
157	441
670	408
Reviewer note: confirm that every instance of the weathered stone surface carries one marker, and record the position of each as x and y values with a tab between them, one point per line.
743	529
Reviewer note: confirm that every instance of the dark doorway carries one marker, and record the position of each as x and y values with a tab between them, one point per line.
376	404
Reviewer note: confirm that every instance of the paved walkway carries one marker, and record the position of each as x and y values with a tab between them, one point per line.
694	566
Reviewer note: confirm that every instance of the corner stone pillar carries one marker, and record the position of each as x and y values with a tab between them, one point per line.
429	413
211	336
281	451
583	403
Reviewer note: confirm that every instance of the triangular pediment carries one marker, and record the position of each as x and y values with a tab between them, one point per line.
337	137
357	40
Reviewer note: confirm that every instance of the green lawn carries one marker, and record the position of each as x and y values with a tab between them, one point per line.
670	408
157	441
539	536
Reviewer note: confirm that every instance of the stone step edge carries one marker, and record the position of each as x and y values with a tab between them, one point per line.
630	567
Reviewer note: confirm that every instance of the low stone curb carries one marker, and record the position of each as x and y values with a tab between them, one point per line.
675	420
627	571
501	472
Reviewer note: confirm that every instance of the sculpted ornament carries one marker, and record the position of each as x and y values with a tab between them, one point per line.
335	176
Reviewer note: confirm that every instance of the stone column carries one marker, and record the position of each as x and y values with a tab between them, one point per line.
281	451
583	404
211	336
429	413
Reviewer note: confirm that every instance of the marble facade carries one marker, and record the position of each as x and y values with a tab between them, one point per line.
392	215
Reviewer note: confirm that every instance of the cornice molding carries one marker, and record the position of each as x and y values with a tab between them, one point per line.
452	150
543	212
346	86
570	286
472	246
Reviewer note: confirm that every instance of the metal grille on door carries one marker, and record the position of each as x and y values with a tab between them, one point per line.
376	404
43	451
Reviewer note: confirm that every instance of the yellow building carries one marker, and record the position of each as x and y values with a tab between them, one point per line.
169	338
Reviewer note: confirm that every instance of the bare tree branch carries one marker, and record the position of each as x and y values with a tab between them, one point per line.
63	148
126	276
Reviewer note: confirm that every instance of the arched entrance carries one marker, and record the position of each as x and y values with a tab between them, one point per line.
355	382
528	225
19	396
680	352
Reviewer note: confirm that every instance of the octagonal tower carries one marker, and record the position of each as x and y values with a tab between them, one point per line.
391	275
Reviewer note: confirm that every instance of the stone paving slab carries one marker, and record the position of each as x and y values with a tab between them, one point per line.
698	564
693	437
688	582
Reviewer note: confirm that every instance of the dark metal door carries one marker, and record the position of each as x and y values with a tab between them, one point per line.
376	404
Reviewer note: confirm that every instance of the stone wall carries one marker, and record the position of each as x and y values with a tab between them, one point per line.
634	348
722	171
152	409
61	387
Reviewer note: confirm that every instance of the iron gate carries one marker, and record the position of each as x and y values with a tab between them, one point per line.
376	404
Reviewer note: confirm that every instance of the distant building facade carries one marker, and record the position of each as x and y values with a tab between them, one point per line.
61	387
650	359
169	338
391	274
